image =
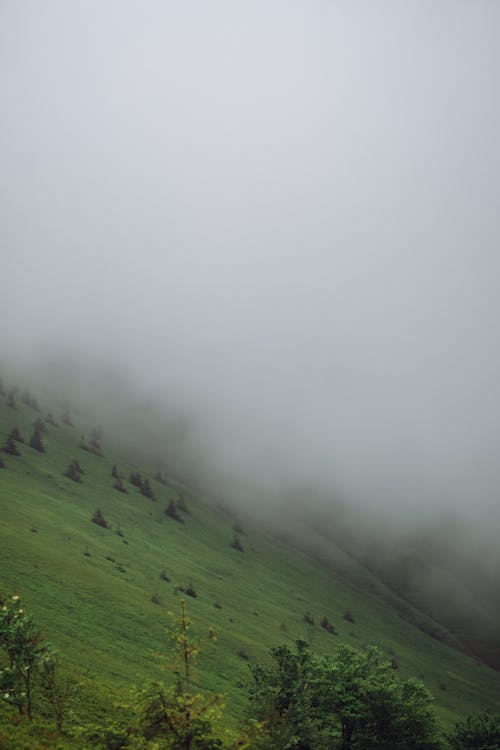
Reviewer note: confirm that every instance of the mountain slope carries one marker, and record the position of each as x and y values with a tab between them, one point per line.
92	588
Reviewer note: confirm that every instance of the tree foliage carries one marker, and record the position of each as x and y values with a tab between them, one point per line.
24	651
352	701
480	732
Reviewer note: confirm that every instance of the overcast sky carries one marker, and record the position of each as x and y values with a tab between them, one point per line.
283	217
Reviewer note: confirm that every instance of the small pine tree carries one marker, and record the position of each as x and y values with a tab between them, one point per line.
236	544
172	512
74	471
95	441
327	625
118	485
10	446
114	472
17	435
136	479
36	442
191	592
179	717
308	618
146	490
99	519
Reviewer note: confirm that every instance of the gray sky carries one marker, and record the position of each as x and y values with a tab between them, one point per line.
282	218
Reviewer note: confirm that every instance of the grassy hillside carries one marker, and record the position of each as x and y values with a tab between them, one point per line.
91	589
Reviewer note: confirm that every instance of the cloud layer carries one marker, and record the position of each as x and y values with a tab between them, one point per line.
280	219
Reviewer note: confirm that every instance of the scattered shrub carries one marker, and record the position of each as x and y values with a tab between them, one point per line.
119	532
394	663
74	471
236	544
238	528
327	625
348	616
111	559
190	591
243	653
95	441
283	627
136	479
114	472
147	490
99	519
164	576
171	510
118	485
36	442
86	553
217	605
308	618
155	599
10	446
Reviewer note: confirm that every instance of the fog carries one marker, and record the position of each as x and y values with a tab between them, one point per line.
278	223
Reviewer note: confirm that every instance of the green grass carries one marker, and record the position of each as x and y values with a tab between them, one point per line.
99	614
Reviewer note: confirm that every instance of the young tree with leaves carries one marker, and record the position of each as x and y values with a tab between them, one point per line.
24	651
58	689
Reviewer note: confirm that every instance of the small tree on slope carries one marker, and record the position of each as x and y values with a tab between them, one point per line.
25	651
182	718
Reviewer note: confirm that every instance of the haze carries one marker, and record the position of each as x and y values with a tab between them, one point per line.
279	221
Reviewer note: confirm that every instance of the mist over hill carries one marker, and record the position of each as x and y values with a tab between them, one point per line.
262	242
